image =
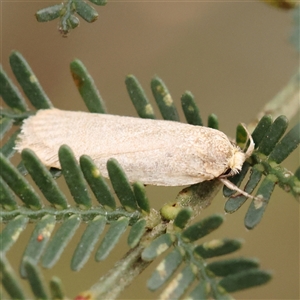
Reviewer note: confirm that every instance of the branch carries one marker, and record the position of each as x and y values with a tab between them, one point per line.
286	102
124	272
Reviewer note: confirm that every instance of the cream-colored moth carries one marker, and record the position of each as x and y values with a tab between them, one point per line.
155	152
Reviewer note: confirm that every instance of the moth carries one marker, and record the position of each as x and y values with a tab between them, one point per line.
155	152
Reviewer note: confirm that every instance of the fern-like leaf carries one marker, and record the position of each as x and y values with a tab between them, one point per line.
152	232
66	13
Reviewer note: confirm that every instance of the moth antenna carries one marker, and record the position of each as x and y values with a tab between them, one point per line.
252	145
232	186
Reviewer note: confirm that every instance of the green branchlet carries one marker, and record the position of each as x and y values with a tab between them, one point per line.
66	13
151	233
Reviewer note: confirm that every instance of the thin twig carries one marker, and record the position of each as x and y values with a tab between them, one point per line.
286	102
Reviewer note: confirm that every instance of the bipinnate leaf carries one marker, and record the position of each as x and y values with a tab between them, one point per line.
60	241
176	288
5	125
136	232
115	231
236	273
8	149
217	247
10	93
202	228
235	202
286	146
35	278
244	280
165	269
56	289
139	98
258	206
87	242
85	11
227	267
19	184
241	135
190	109
29	82
74	177
213	121
44	179
38	241
273	135
97	183
86	87
66	13
261	129
141	197
158	246
201	291
11	233
49	13
7	197
183	217
164	100
121	185
10	281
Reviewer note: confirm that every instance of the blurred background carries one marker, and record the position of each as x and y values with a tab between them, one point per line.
233	56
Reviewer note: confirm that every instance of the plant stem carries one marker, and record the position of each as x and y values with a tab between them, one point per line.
286	102
125	270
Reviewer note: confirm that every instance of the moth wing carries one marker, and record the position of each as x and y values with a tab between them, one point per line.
152	151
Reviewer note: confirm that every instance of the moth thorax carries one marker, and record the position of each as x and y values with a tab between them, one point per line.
236	161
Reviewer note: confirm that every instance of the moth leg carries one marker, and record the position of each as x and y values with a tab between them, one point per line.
232	186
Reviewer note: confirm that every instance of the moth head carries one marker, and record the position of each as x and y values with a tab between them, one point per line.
238	156
236	161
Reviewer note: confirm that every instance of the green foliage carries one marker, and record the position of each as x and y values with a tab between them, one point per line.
164	100
139	98
270	151
28	81
43	178
56	288
36	280
141	197
86	87
10	281
116	229
220	276
87	242
18	184
66	13
213	121
190	109
60	240
97	183
12	232
74	177
10	93
121	185
137	231
217	247
152	233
